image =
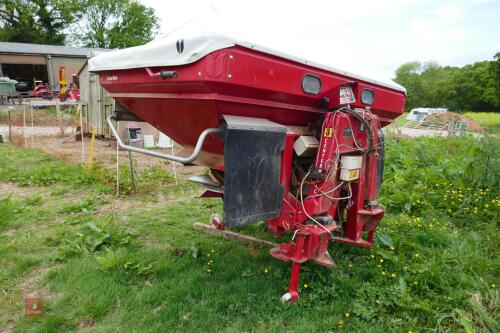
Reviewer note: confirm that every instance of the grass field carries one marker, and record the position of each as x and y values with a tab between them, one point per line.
489	120
135	264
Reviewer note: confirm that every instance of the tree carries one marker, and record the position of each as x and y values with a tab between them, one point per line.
474	87
37	21
116	24
408	75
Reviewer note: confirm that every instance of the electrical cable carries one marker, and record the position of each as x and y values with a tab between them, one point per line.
304	208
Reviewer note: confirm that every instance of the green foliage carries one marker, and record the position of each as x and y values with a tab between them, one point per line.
430	270
92	23
490	121
459	177
6	211
93	237
146	179
116	24
112	260
472	87
37	21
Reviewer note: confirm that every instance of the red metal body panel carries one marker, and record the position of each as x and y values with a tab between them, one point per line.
233	81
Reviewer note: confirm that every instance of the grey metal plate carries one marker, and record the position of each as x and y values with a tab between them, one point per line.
253	124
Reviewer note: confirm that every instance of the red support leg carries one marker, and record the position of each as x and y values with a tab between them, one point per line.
293	290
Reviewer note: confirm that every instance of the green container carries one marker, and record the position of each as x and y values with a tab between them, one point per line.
7	87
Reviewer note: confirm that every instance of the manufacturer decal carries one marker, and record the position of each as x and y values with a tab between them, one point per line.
327	133
180	46
112	78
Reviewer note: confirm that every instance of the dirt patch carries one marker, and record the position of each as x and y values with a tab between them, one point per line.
84	324
15	190
105	155
156	200
10	325
451	117
31	284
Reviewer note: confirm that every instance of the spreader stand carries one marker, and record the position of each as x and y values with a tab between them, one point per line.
310	243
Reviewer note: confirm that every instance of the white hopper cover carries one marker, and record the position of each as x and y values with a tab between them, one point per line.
163	51
160	52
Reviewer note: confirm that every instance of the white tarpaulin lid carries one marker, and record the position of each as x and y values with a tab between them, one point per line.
168	50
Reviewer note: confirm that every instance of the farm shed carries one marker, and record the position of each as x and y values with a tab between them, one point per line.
28	62
97	105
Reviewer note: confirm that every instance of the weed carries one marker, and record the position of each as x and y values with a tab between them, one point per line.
92	237
112	260
7	211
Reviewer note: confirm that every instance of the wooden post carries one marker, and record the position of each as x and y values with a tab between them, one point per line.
173	163
10	129
32	129
24	127
91	148
208	229
118	163
82	131
59	117
131	161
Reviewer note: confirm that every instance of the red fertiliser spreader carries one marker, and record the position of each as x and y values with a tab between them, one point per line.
290	142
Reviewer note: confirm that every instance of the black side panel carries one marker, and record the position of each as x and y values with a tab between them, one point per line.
252	163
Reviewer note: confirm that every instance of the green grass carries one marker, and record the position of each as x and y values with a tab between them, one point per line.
489	120
435	265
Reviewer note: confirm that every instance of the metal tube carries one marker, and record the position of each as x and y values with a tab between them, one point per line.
183	160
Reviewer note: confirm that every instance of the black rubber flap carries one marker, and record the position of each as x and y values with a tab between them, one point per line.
252	164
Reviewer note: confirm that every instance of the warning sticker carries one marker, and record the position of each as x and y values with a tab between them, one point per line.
353	174
327	133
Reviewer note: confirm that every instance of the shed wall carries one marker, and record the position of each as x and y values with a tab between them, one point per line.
22	59
71	65
97	105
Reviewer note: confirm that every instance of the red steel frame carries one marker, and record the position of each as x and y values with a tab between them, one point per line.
245	82
363	215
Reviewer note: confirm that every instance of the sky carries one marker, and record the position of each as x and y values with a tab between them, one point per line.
370	37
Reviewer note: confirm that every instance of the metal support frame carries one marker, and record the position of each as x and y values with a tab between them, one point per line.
183	160
50	72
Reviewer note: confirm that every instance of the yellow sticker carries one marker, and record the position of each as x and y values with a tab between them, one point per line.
327	133
353	174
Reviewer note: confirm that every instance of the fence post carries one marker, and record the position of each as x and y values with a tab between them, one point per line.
32	129
91	148
24	127
117	162
80	108
10	129
59	117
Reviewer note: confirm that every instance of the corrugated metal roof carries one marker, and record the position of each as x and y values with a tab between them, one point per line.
40	49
